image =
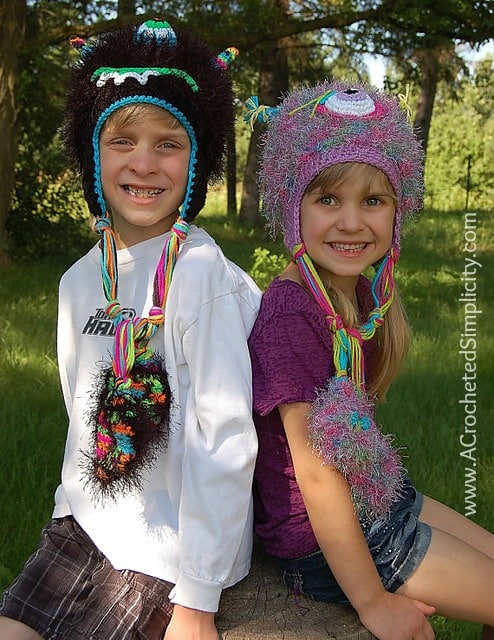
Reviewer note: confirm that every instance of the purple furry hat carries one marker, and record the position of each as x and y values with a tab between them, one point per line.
329	123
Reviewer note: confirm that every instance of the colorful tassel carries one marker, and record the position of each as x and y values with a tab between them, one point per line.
132	397
131	421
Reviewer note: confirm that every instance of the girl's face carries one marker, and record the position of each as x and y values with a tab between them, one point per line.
348	226
144	172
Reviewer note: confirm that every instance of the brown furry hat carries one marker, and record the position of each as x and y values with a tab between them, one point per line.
156	64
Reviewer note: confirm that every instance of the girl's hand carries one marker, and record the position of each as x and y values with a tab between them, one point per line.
191	624
396	617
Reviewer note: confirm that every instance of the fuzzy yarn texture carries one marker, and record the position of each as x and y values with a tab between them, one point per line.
158	64
343	432
130	427
329	123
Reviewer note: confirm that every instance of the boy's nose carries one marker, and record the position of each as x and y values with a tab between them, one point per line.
143	161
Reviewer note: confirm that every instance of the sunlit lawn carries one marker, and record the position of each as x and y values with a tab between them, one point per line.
424	408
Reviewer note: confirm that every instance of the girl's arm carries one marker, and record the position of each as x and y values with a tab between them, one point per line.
327	498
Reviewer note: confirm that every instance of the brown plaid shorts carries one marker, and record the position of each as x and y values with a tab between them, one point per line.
69	591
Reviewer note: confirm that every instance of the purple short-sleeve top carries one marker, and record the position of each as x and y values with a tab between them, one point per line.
292	357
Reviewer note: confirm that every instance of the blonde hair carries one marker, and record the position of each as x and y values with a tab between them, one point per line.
137	112
393	337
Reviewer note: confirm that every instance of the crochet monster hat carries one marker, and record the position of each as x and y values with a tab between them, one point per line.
312	129
152	64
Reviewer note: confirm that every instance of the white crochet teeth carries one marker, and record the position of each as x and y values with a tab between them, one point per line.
142	193
348	247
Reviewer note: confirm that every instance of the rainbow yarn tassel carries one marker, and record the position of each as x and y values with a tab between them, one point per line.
131	417
131	427
342	431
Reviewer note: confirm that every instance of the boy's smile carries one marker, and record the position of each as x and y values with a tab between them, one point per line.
144	173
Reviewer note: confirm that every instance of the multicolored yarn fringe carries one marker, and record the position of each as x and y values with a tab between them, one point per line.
341	428
347	343
344	434
131	426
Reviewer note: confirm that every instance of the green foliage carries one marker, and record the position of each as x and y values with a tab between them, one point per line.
55	224
266	266
462	141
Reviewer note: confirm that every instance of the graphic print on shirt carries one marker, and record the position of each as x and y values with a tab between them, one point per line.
100	324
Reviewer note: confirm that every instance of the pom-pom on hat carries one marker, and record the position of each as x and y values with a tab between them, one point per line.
326	124
153	63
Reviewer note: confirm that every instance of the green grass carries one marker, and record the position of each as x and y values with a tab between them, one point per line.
423	408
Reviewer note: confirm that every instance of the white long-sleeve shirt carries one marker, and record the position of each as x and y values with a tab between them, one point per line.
192	522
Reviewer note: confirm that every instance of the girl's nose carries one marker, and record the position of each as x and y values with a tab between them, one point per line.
351	219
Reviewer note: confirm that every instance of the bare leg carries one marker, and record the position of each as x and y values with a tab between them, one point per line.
440	516
457	573
14	630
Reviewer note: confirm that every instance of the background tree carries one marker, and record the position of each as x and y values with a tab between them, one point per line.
313	37
459	166
12	22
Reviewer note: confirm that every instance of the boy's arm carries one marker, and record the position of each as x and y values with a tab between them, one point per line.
190	624
327	498
220	450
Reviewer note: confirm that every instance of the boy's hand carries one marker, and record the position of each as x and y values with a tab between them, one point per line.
191	624
396	617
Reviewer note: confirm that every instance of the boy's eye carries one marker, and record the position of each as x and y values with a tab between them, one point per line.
116	141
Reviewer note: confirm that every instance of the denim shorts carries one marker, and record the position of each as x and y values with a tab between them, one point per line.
397	543
68	589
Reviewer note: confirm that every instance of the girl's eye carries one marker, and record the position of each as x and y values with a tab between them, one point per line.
327	200
373	201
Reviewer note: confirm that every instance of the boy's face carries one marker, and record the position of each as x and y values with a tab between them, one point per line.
144	173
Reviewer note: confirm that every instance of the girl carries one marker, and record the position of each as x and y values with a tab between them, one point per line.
341	170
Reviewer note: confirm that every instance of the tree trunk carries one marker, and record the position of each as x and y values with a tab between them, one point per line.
12	24
429	64
126	8
273	82
231	177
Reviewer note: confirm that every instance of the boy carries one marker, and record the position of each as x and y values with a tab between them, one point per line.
152	518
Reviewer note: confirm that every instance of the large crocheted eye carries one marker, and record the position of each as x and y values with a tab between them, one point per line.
350	102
